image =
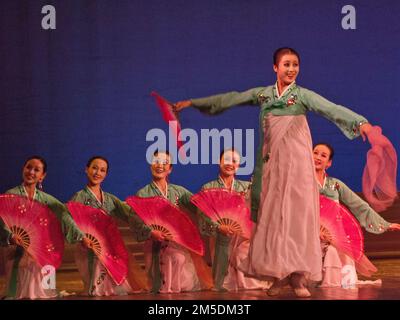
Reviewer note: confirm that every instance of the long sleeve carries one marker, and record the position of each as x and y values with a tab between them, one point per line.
220	102
185	204
4	235
184	200
139	229
347	120
141	232
119	210
367	217
70	230
123	211
206	226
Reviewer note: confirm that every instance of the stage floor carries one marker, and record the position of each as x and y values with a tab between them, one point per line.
388	272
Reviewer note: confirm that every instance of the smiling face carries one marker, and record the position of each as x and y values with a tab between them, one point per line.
161	166
229	163
321	155
96	172
33	172
287	69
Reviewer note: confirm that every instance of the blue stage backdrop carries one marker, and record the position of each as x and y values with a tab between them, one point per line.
84	88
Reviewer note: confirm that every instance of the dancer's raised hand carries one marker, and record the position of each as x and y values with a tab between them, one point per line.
182	104
394	227
364	130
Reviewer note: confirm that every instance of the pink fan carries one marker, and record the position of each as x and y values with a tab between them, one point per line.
169	114
379	177
365	267
226	208
160	214
104	239
342	228
34	227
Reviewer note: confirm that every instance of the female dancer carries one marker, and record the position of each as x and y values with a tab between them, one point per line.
171	267
23	274
334	260
97	281
285	202
230	248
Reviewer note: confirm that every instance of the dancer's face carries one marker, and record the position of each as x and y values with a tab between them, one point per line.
287	69
96	172
321	157
229	163
161	166
33	172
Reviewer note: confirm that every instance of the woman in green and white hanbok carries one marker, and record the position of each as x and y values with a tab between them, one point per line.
227	248
284	196
24	278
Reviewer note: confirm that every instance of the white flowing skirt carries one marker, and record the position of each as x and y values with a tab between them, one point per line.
286	237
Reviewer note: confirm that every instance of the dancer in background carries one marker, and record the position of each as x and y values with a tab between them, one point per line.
23	275
172	268
333	259
97	282
228	249
285	246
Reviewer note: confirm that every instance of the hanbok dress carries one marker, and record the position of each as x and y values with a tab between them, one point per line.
96	279
23	275
339	269
284	195
228	251
171	267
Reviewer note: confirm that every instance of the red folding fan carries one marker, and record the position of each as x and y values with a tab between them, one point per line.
342	228
160	214
104	239
225	207
34	227
169	114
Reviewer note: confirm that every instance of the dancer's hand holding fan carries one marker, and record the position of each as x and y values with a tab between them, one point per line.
34	227
341	228
103	237
169	114
226	208
159	214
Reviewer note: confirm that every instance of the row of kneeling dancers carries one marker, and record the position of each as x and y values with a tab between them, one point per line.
169	266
